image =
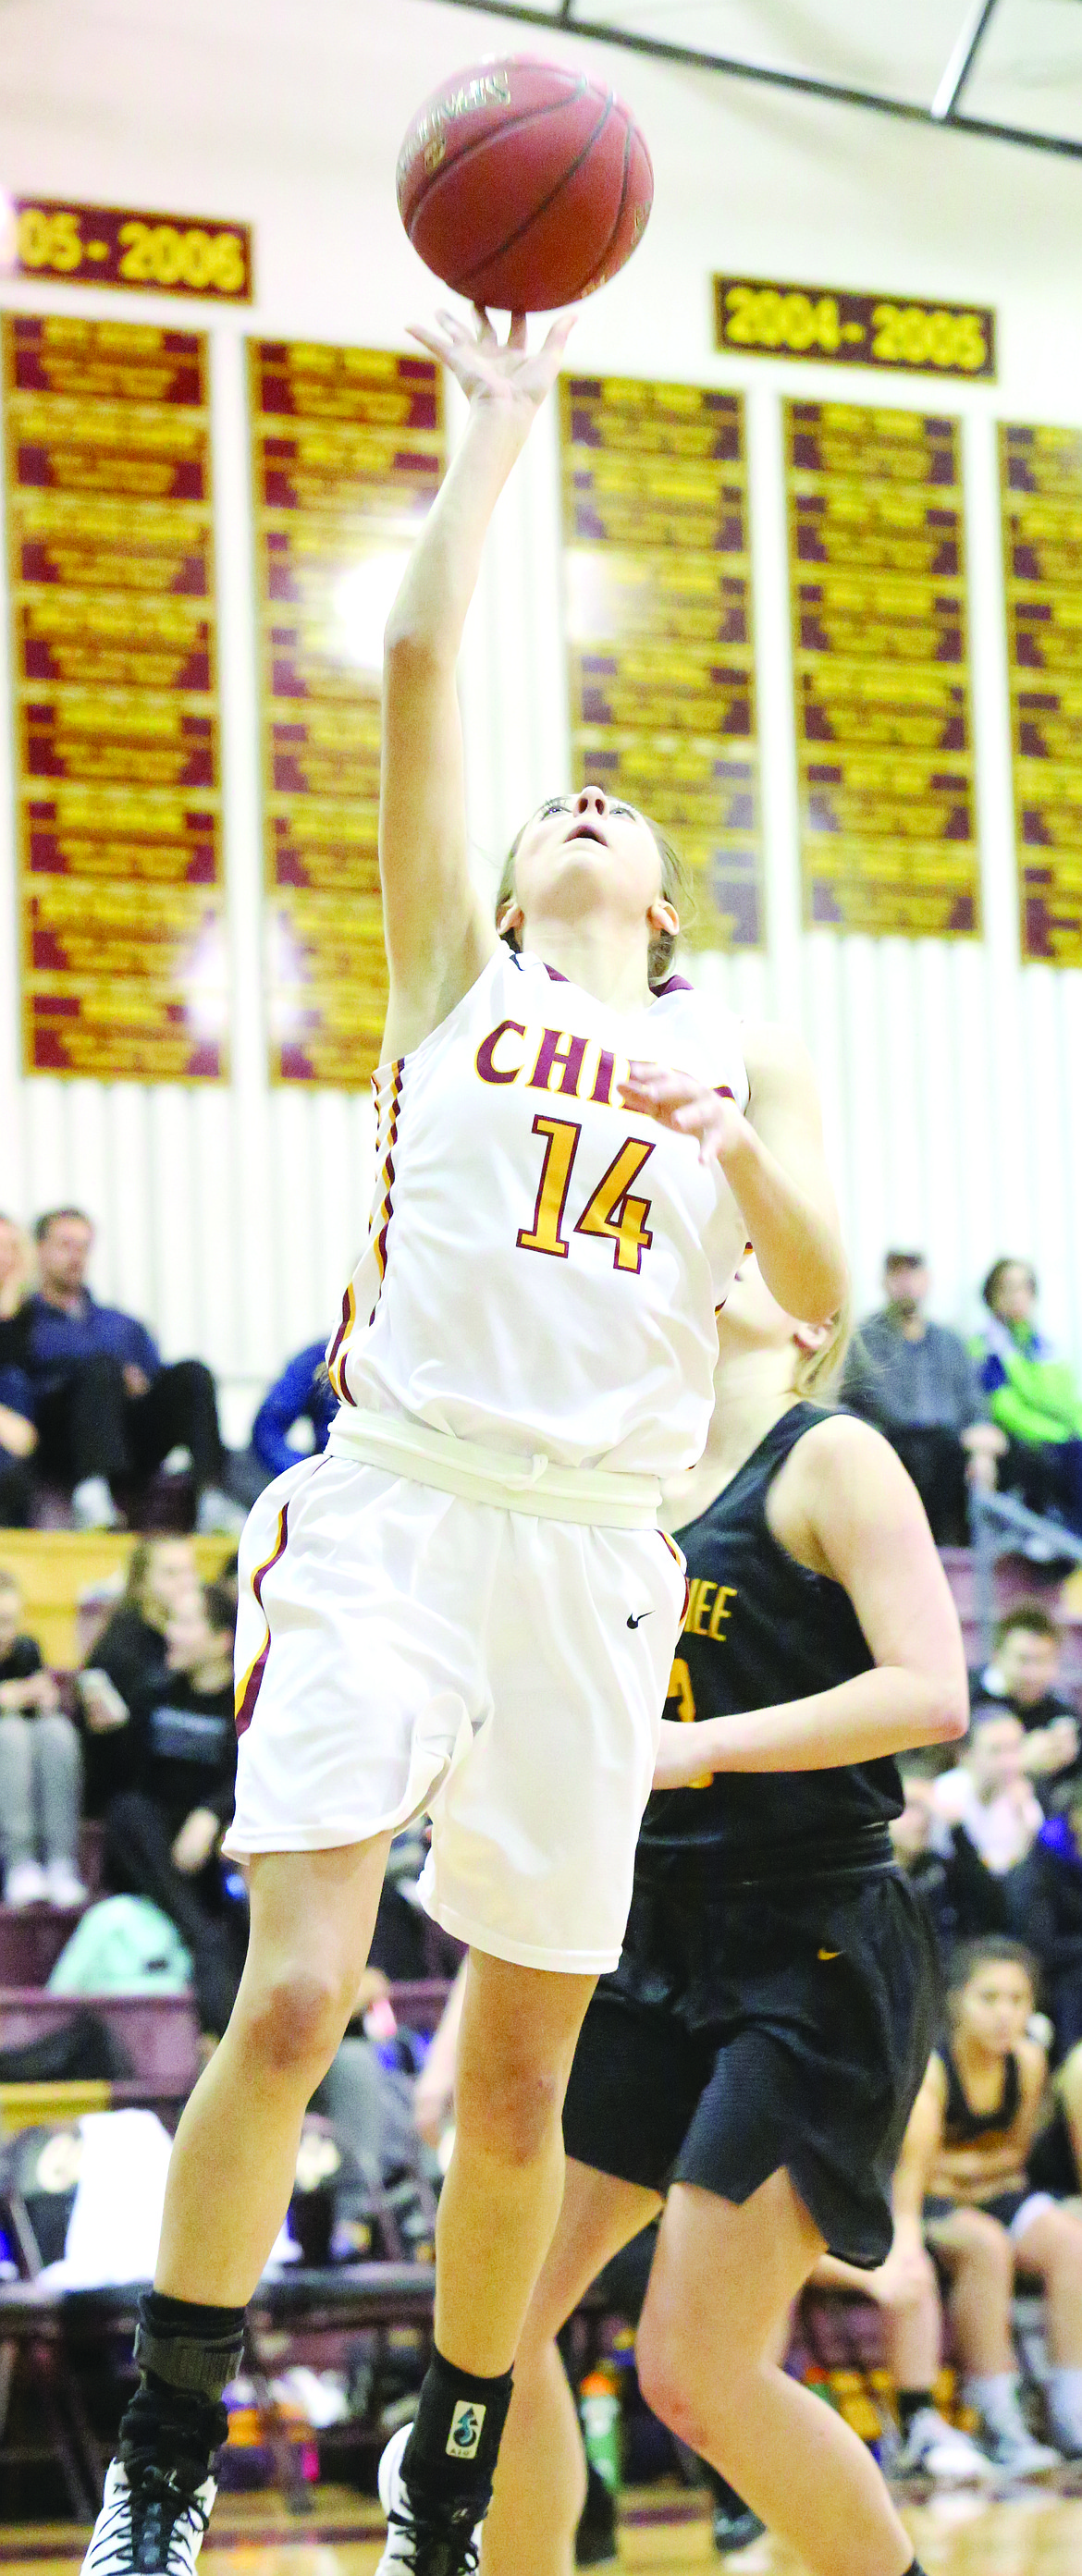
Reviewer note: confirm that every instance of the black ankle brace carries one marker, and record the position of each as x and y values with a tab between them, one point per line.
196	2350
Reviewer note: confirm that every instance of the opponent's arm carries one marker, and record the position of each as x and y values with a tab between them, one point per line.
773	1160
851	1513
437	934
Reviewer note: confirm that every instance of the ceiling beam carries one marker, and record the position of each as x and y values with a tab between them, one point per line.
765	76
962	60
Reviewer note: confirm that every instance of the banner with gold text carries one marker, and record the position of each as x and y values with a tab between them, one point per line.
348	454
880	651
764	317
1041	481
111	557
192	255
657	584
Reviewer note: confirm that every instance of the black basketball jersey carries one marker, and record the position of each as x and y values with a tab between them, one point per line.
962	2125
759	1629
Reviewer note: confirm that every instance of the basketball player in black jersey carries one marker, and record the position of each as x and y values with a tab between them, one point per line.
753	2060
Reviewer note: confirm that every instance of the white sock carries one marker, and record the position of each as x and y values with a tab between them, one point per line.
995	2397
92	1501
1065	2398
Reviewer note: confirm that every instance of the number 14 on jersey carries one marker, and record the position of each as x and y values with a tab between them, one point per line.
611	1214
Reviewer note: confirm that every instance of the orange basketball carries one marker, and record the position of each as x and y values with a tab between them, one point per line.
523	184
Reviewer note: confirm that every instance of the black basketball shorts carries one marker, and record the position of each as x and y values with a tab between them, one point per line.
781	2025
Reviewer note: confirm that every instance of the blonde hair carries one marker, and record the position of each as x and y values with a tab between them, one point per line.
675	888
817	1372
138	1590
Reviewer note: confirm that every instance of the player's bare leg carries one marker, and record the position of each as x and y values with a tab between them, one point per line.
498	2211
230	2179
541	2473
231	2174
722	2278
501	2199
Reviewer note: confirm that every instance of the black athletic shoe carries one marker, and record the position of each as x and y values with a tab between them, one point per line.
595	2539
150	2524
734	2526
422	2542
734	2522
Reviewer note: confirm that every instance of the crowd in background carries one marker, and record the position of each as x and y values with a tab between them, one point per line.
140	1738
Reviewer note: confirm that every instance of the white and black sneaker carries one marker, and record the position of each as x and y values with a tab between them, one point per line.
152	2526
1014	2450
422	2540
934	2449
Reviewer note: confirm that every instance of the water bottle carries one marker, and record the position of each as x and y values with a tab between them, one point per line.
599	2409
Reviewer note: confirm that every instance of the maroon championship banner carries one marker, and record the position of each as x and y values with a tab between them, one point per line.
881	671
658	610
348	451
197	255
764	318
111	564
1041	486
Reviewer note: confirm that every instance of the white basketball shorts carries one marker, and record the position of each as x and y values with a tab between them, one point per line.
400	1649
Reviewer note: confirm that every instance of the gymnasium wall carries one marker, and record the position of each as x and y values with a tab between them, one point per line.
230	1215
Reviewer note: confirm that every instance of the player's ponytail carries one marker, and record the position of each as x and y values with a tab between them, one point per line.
817	1371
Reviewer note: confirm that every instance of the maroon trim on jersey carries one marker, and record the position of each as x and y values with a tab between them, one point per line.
386	1183
347	1318
676	984
248	1690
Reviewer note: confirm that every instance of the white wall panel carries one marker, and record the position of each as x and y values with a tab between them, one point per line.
951	1078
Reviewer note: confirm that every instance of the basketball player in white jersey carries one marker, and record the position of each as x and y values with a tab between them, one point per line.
466	1603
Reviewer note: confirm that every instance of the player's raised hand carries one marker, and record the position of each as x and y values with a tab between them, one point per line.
491	371
676	1100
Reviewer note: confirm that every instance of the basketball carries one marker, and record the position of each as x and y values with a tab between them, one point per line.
523	184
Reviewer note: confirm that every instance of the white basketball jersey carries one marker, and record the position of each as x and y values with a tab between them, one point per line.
543	1268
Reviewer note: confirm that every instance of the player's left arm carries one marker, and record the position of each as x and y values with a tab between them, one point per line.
852	1514
773	1159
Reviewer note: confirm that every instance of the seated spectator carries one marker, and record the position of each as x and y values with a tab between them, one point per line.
922	1849
1044	1907
1032	1395
916	1383
164	1827
1055	2159
18	1436
988	1795
40	1771
906	2292
303	1393
127	1664
1022	1677
962	2188
106	1409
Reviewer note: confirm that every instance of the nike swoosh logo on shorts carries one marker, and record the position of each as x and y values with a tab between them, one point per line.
637	1623
829	1954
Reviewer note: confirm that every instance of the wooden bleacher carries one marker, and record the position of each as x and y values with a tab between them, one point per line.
56	1568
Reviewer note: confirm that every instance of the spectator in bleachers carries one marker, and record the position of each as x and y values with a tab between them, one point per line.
1055	2159
18	1436
164	1826
303	1393
987	1794
962	2185
127	1663
916	1382
1022	1677
40	1771
923	1849
1032	1395
106	1408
